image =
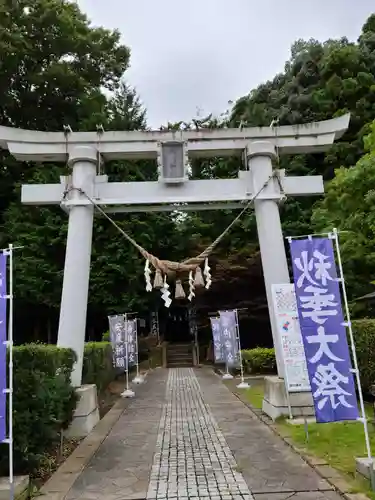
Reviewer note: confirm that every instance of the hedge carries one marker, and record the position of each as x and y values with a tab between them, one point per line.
364	338
43	403
259	360
98	365
262	360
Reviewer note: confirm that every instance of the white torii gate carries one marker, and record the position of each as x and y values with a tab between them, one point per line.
171	149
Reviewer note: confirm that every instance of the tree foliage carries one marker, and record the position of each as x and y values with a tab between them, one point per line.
349	205
56	69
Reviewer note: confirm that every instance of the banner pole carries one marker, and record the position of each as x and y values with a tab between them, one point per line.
243	384
10	343
138	379
227	375
355	361
128	393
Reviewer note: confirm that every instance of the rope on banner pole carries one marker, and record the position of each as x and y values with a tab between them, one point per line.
355	361
314	235
243	384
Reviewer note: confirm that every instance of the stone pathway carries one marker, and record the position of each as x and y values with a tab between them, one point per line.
187	437
192	458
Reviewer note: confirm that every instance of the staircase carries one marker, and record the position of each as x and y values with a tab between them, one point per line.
179	355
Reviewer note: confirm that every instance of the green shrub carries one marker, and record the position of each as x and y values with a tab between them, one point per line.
43	403
106	337
98	364
259	360
364	338
45	358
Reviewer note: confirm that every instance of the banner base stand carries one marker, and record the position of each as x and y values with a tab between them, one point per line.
138	379
128	393
275	401
243	385
363	466
227	376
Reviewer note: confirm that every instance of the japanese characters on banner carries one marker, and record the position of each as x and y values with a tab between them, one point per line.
218	340
117	336
285	307
3	348
229	335
131	339
323	329
193	327
155	324
123	334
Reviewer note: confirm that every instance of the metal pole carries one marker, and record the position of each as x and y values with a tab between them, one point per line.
355	361
128	393
10	344
138	379
227	375
243	384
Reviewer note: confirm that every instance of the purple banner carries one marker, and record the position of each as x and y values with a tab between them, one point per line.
218	340
323	330
3	338
132	341
229	332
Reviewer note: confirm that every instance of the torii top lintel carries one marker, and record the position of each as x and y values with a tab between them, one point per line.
31	145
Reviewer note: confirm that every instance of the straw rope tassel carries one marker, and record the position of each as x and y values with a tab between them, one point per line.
180	292
198	281
158	281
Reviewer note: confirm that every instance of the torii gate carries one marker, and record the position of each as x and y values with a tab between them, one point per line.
172	150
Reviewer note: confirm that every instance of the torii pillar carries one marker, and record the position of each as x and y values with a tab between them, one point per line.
271	242
163	195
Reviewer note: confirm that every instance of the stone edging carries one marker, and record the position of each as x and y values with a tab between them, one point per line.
60	483
331	475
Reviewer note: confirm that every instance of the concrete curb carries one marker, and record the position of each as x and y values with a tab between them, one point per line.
61	482
331	475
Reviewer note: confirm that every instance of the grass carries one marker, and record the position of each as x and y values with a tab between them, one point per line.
337	443
254	395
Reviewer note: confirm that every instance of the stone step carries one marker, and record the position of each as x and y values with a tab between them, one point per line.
179	365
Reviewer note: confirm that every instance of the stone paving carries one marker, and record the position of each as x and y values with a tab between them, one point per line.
192	458
187	437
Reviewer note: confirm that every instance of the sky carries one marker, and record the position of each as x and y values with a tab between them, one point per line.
190	58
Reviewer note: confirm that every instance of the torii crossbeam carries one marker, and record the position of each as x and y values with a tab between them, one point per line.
173	190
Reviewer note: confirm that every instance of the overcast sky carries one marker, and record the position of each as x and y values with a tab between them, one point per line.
199	54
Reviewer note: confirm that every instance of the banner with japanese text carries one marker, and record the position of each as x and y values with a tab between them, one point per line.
285	306
155	324
117	336
228	322
132	341
323	329
218	340
3	347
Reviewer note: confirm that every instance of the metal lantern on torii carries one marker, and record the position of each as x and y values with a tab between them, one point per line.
87	188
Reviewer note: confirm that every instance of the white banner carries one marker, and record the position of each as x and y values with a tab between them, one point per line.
285	306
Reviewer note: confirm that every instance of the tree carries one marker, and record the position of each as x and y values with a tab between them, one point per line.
349	205
53	69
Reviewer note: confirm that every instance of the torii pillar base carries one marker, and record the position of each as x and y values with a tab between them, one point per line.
275	401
